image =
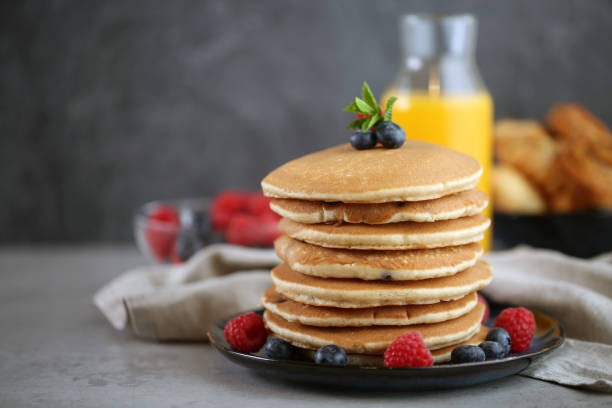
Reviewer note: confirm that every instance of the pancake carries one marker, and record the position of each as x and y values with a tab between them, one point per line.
375	339
411	264
462	204
374	316
439	356
357	293
399	235
414	172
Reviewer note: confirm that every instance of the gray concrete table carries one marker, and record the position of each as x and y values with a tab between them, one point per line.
57	350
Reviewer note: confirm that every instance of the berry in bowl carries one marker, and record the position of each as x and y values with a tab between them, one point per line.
174	230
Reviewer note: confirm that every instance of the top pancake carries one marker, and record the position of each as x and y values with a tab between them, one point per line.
462	204
417	171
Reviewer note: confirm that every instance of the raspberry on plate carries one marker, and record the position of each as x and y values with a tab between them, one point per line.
520	324
408	350
246	333
161	230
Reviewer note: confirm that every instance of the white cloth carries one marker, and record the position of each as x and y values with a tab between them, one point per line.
164	302
576	292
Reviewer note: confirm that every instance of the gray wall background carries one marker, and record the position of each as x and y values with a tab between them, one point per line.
106	105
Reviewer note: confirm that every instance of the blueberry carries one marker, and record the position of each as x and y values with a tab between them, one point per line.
187	243
492	350
278	348
467	354
502	337
331	354
363	140
390	135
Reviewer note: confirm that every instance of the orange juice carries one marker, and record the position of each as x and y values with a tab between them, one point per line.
461	122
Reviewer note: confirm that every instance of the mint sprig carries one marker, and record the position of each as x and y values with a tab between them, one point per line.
367	105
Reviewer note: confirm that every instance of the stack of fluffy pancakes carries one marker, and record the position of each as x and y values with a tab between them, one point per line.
378	243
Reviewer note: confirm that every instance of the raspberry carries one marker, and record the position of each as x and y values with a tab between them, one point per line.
487	313
258	204
520	324
220	219
243	229
231	201
248	230
365	115
408	350
161	230
225	205
174	256
244	218
165	213
246	333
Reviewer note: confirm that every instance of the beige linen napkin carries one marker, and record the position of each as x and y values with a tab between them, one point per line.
180	302
576	292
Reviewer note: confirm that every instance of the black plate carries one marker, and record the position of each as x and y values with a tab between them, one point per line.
549	336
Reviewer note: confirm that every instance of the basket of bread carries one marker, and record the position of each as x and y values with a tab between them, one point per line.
552	182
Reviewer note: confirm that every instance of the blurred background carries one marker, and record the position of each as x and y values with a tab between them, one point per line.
107	105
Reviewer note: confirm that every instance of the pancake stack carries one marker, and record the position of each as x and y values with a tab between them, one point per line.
378	243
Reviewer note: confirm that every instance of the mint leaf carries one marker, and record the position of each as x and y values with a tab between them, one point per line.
356	124
390	102
352	108
389	109
364	107
370	122
369	108
388	115
368	96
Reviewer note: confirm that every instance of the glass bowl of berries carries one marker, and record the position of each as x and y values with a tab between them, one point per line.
172	231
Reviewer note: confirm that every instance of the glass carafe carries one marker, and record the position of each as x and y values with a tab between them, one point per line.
441	97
